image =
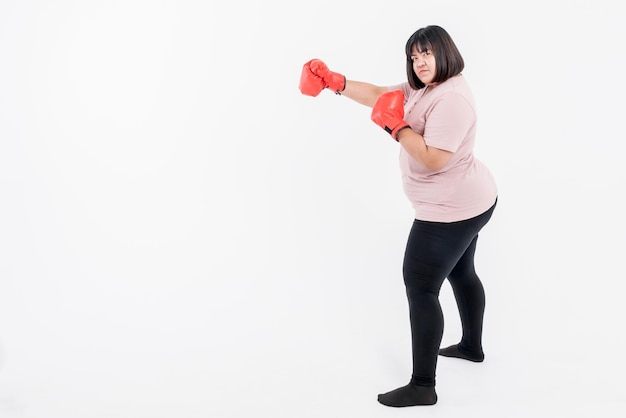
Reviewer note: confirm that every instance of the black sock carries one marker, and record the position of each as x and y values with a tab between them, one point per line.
409	395
456	351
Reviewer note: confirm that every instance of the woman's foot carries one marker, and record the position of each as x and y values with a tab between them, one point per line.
455	351
409	395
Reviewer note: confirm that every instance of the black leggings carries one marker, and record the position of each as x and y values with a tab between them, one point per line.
434	251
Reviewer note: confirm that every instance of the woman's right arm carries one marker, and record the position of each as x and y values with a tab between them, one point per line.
363	93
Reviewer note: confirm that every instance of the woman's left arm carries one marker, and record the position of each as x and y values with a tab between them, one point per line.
414	143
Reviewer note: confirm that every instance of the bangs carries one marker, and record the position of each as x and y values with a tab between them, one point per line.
422	46
421	43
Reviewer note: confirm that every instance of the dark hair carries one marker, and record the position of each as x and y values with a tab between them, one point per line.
448	59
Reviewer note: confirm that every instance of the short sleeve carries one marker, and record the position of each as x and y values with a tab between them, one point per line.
449	121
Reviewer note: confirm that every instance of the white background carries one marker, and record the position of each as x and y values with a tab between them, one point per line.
183	234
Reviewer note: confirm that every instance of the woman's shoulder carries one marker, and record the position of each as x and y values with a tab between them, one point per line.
456	83
455	87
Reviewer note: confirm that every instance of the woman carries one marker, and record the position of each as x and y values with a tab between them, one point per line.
433	117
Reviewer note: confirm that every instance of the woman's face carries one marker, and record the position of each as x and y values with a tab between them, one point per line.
424	65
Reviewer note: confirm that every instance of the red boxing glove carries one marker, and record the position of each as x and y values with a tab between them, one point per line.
311	84
316	76
334	81
388	112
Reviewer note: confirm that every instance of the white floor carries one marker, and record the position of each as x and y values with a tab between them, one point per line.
323	345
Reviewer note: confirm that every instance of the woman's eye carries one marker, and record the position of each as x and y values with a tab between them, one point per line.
423	54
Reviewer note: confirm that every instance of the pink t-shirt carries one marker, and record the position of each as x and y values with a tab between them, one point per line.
445	115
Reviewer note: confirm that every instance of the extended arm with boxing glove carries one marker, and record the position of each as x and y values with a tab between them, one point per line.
388	112
316	76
